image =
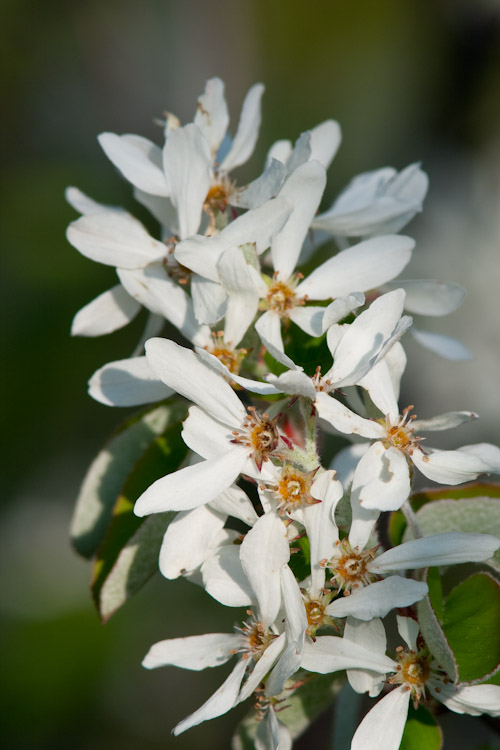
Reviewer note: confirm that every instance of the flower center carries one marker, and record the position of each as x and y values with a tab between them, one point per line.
256	638
315	611
413	671
401	435
349	566
294	488
260	433
281	297
231	358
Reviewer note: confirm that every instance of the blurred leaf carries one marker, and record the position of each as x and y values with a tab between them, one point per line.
478	490
163	456
471	626
135	564
109	470
297	709
421	731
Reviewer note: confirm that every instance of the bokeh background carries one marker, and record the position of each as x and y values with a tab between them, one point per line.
409	80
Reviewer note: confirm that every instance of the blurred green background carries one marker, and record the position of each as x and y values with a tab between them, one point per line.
408	80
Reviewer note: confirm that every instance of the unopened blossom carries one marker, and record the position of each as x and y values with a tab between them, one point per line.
417	677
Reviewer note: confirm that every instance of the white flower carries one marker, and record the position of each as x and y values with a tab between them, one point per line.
283	296
379	202
382	477
415	672
261	646
232	440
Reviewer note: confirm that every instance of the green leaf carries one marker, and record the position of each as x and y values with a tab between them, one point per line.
471	626
297	709
421	731
108	472
479	515
162	457
135	564
307	351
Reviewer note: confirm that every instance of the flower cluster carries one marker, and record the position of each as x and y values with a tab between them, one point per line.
273	362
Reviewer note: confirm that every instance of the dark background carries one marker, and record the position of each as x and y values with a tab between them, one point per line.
408	80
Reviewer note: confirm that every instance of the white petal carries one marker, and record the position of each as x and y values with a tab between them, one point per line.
380	385
450	467
329	653
448	548
262	189
371	635
259	225
234	502
248	130
192	486
387	478
255	386
304	189
205	435
271	735
182	370
377	599
473	700
309	319
444	421
187	540
445	346
364	266
301	152
196	652
383	727
487	452
268	326
109	311
295	383
318	521
243	296
263	666
280	150
138	159
225	580
264	552
408	629
429	297
211	113
325	141
127	382
187	164
209	300
341	308
345	420
115	239
154	289
366	338
346	460
201	254
219	703
85	205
